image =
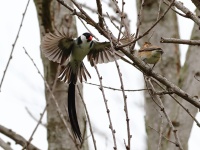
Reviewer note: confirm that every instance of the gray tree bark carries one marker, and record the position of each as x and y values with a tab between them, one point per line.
51	16
188	83
169	67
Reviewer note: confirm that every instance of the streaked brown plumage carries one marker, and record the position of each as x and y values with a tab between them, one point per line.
150	54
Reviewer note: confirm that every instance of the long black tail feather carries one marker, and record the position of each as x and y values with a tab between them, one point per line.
72	110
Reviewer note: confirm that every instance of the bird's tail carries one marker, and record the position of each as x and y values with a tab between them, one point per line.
70	75
72	110
80	73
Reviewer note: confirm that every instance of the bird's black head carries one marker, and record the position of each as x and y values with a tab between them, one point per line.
88	36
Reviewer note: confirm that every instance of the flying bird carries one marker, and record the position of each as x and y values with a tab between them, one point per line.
59	47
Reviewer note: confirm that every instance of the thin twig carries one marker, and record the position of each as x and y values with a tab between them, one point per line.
87	28
150	91
122	15
146	69
186	109
36	127
178	143
100	14
128	147
159	8
107	109
115	89
88	118
146	32
139	23
13	45
34	118
113	18
137	62
83	15
125	20
55	101
161	134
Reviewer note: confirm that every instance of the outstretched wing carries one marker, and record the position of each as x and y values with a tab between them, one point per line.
57	46
102	53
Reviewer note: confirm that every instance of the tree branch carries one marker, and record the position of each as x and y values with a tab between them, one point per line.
17	138
178	144
4	145
99	8
13	45
107	109
136	61
88	118
179	5
179	41
147	70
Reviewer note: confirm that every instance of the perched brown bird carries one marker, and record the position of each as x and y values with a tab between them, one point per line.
150	54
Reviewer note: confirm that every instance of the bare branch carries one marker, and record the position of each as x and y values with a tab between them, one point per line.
172	8
179	41
113	18
179	5
115	89
55	101
139	22
100	14
178	144
107	109
4	145
34	118
13	45
186	109
128	147
163	135
147	32
88	117
139	64
146	69
36	127
17	138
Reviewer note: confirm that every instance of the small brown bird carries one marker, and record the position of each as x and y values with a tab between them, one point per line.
150	54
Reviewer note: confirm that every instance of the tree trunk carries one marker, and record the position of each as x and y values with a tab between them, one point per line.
188	83
51	16
169	67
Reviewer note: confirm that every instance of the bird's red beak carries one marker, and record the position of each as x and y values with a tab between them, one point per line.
90	38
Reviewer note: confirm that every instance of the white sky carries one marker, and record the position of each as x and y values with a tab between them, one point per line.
23	87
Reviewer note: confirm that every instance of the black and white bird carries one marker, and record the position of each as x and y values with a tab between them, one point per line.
58	47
